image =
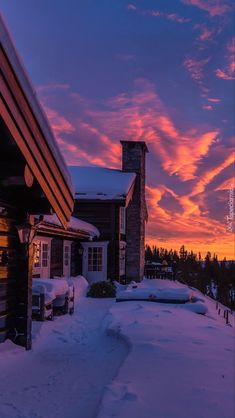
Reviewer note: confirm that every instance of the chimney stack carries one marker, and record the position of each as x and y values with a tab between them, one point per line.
133	160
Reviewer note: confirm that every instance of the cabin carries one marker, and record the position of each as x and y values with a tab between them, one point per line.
33	180
59	252
114	201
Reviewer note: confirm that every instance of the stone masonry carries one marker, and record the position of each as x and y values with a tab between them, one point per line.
133	160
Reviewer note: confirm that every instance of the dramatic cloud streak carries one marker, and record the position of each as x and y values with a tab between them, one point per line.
162	72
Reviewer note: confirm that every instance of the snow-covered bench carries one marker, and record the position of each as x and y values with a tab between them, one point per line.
55	294
42	302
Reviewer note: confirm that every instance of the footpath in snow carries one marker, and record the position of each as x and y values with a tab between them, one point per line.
180	363
65	374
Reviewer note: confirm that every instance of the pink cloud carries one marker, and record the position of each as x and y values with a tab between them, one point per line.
228	73
207	107
174	17
60	125
222	74
195	67
213	100
131	7
124	57
213	7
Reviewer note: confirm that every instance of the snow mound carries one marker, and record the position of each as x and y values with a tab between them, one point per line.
179	364
142	292
81	285
197	307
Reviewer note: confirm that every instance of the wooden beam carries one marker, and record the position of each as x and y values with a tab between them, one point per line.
32	143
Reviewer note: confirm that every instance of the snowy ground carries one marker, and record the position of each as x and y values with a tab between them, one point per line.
180	365
124	360
65	374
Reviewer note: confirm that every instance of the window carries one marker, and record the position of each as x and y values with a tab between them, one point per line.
95	255
122	258
122	220
37	254
44	255
66	255
40	254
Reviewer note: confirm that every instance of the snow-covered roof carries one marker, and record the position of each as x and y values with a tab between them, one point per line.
74	224
101	183
31	96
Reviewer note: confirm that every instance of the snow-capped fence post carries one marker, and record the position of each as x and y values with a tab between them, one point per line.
227	316
219	311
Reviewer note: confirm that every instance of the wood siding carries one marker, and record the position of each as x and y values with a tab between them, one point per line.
8	271
105	216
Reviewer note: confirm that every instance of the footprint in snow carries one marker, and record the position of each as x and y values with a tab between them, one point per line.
57	332
166	311
129	396
63	340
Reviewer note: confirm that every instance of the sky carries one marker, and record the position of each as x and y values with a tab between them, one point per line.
160	71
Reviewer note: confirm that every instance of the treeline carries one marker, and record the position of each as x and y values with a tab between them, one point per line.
212	277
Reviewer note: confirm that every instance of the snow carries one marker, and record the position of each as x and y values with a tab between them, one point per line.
123	360
56	287
71	362
74	224
180	364
147	289
101	183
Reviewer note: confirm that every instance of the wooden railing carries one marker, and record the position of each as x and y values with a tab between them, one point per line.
151	272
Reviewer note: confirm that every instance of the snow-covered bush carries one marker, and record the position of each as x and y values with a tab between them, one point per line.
102	290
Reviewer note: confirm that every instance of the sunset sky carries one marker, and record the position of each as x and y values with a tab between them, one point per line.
155	70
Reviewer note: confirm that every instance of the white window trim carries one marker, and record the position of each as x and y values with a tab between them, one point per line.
122	219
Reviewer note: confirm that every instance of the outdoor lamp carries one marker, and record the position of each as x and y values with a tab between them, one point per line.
26	233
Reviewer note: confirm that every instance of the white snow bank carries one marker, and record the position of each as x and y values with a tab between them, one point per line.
81	286
152	290
53	288
180	364
197	307
101	183
57	287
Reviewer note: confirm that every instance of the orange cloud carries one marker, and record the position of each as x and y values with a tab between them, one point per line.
191	227
226	185
92	136
210	175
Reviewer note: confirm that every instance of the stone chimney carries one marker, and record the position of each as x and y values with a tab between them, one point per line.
133	160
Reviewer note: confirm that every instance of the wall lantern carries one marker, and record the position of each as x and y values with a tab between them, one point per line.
26	233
